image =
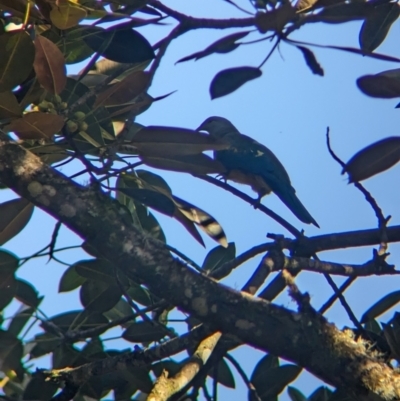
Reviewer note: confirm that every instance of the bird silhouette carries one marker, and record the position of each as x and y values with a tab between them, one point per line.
249	162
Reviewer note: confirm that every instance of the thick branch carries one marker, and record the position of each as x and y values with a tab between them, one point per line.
305	338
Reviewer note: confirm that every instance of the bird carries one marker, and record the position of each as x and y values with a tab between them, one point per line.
249	162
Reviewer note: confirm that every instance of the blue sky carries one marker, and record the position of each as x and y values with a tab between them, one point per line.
288	110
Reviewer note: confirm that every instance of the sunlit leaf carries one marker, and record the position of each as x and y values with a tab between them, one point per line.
49	65
227	81
66	15
14	216
17	53
380	307
373	159
36	125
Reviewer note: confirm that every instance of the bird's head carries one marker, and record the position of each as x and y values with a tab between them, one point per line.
217	127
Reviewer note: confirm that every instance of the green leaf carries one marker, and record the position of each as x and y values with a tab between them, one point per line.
384	304
373	326
44	344
99	296
120	310
320	394
373	159
96	269
9	107
8	284
224	374
139	294
144	332
377	25
385	85
16	58
27	294
20	319
170	366
227	81
123	45
39	389
70	280
218	256
14	216
296	395
11	351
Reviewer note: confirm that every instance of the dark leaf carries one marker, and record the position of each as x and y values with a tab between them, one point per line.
320	394
276	19
218	256
311	61
144	332
49	65
373	326
155	200
170	366
96	269
20	319
344	12
120	310
64	355
296	395
139	294
70	280
223	375
27	294
224	45
44	344
384	304
14	216
17	53
38	388
8	284
11	351
377	25
122	45
9	107
384	85
373	159
227	81
99	296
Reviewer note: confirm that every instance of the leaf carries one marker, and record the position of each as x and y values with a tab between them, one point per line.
203	220
66	15
121	45
49	65
14	216
373	159
321	394
377	25
384	85
311	61
125	90
271	382
296	395
11	351
227	81
224	45
16	58
171	141
344	12
99	296
70	280
74	320
387	302
38	388
224	374
27	294
144	332
36	125
8	284
148	197
20	319
218	256
276	19
120	310
193	164
9	107
96	269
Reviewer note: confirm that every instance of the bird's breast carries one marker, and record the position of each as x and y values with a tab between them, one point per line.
256	182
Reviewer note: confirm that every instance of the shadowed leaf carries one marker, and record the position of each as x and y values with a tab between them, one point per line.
384	85
9	107
373	159
223	374
14	216
224	45
218	256
311	61
387	302
377	25
143	332
8	284
99	296
17	53
36	125
296	395
49	65
70	280
276	19
227	81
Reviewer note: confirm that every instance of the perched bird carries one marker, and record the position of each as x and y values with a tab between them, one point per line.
249	162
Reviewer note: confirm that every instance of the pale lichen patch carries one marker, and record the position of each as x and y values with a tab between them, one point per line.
127	247
214	308
49	190
188	293
67	210
35	188
199	304
244	324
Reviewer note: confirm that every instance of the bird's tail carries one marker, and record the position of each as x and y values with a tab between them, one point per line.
290	199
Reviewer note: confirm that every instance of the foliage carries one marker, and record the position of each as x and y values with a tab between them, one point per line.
90	118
